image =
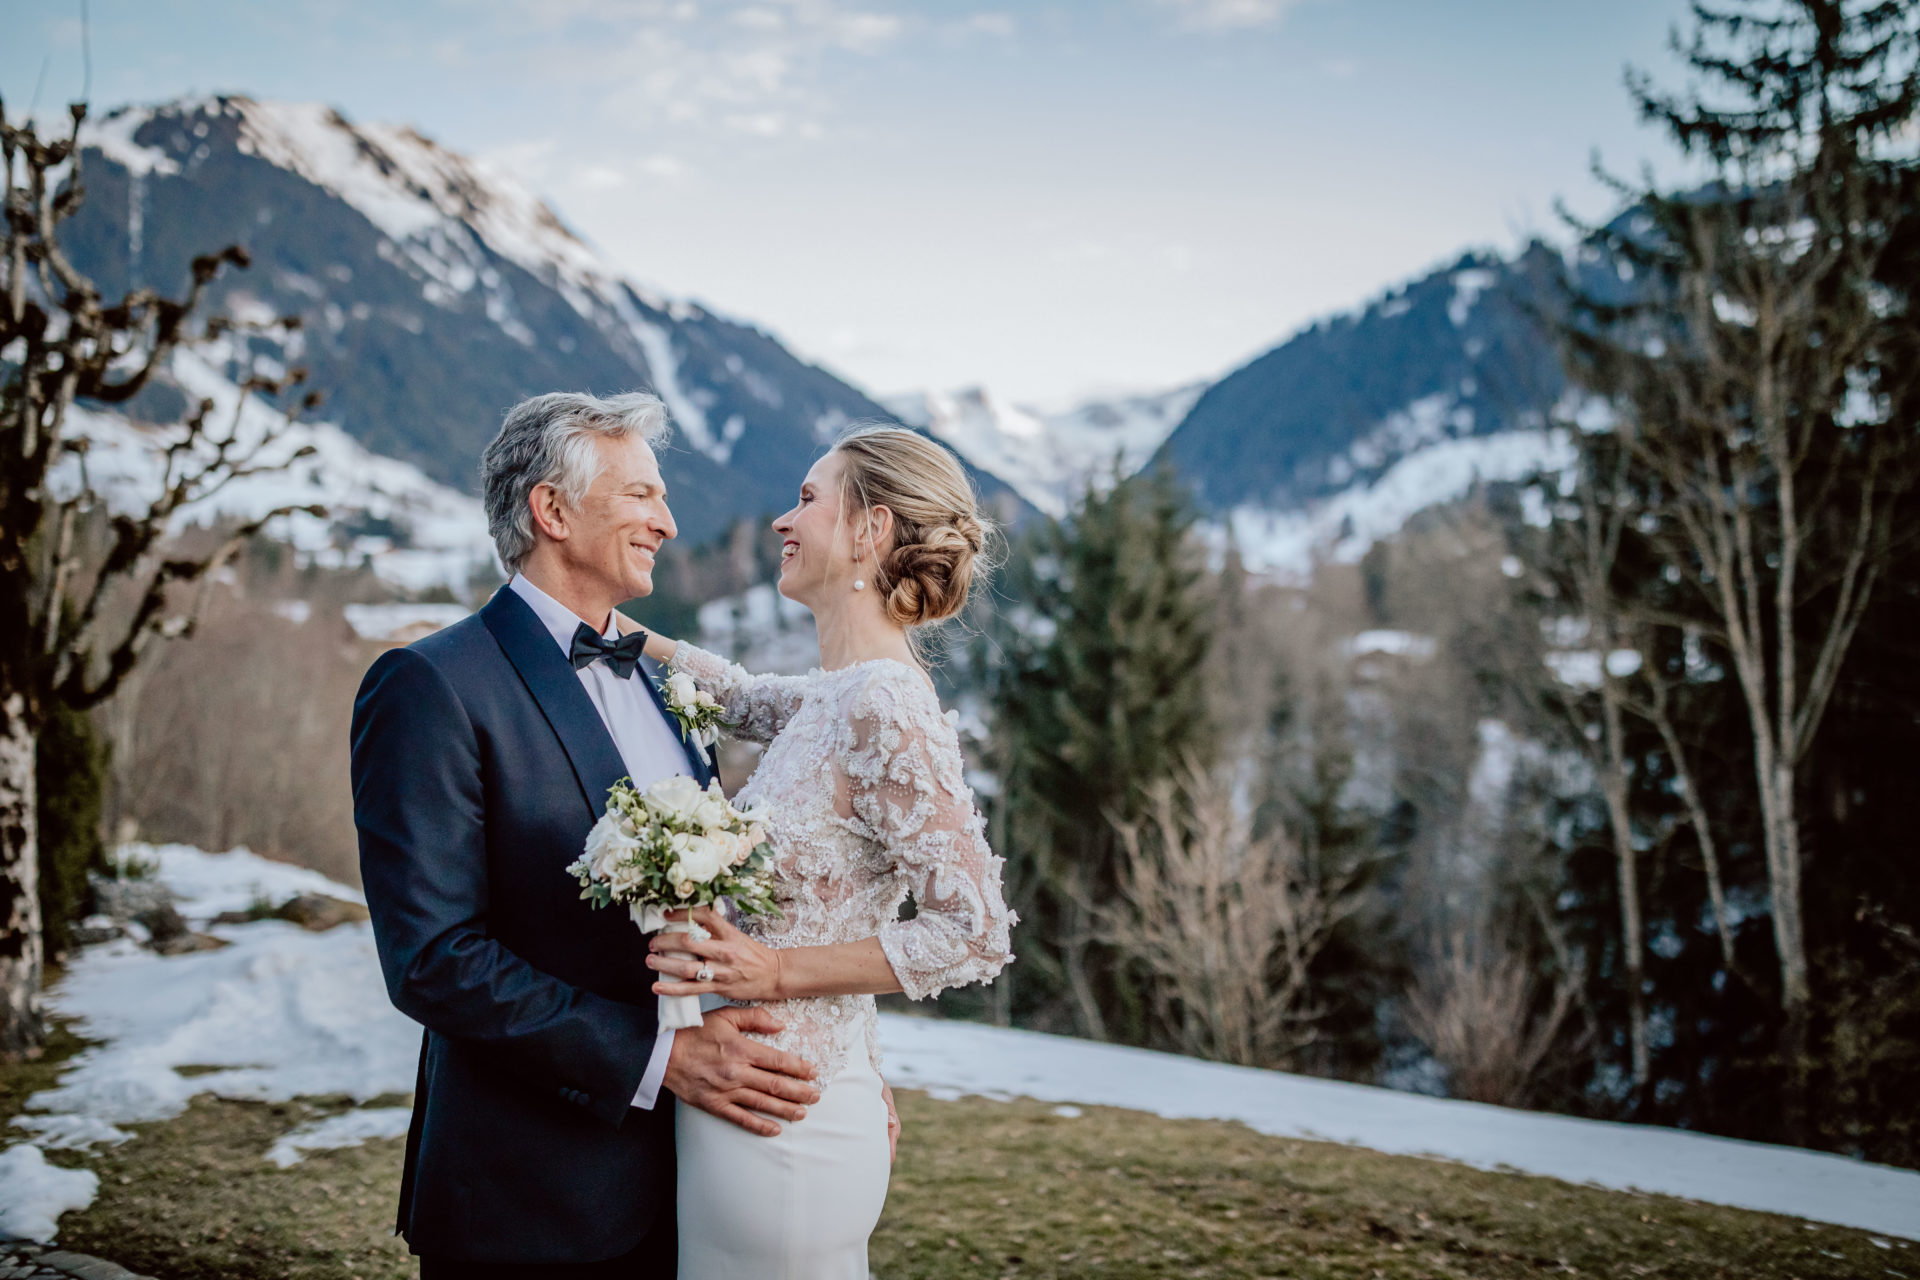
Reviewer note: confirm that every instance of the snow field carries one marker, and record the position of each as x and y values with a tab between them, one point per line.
33	1193
282	1013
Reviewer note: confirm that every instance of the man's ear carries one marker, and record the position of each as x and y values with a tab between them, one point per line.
549	512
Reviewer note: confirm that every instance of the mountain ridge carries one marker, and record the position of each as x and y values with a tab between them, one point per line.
435	292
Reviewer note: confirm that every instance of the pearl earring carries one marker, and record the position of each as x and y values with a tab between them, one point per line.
859	584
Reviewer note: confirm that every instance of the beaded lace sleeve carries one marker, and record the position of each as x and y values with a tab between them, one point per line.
909	794
756	707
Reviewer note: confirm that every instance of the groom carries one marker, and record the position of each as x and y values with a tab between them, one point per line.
542	1137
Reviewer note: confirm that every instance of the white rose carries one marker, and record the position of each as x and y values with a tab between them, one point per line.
607	844
681	690
742	848
712	815
703	859
704	699
676	796
756	835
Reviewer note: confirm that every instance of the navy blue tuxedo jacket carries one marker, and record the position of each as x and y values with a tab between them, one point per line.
479	764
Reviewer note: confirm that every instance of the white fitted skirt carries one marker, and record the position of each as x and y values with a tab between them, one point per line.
799	1206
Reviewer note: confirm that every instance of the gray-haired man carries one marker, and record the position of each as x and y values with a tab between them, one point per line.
481	756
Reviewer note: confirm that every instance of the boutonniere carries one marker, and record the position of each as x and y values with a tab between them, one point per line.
696	710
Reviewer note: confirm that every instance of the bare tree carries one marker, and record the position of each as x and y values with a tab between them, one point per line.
1772	483
1756	371
61	638
1229	923
1475	1007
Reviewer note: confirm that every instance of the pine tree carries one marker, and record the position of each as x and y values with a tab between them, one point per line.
1101	694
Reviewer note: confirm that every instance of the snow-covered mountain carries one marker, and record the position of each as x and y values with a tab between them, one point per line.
1047	457
1336	437
413	531
434	292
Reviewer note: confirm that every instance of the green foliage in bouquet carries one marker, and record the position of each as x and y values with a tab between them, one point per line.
675	845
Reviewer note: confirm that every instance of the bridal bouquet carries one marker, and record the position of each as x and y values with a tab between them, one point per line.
670	846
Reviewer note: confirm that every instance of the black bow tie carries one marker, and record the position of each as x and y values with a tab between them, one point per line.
622	655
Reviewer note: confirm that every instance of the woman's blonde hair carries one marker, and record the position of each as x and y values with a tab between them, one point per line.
939	532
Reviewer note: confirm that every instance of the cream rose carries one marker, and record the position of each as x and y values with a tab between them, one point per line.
677	796
704	859
712	815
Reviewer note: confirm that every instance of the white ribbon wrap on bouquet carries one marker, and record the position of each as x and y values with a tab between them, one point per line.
675	1011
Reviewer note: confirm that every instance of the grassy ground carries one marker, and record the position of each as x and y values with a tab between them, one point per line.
987	1189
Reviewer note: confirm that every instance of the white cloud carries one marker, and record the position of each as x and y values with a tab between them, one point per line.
755	66
1220	15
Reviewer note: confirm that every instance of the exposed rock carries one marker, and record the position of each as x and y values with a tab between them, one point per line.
123	901
96	929
85	1267
318	912
164	924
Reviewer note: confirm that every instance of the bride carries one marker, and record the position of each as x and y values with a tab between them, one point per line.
865	801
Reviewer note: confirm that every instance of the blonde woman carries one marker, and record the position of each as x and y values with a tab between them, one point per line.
866	800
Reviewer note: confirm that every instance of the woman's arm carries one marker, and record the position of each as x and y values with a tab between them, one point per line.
658	647
907	791
754	708
746	969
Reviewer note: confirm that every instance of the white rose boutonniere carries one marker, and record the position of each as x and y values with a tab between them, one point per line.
696	710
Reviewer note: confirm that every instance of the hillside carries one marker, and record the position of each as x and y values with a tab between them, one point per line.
434	292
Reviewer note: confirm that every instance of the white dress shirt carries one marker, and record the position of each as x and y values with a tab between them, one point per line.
649	747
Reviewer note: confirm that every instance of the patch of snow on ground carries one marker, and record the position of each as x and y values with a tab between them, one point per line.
348	1129
1402	644
205	884
279	1013
33	1193
955	1059
401	623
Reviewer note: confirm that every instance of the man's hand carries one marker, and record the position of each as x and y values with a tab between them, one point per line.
893	1122
716	1068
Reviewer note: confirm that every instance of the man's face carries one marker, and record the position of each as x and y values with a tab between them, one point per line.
622	522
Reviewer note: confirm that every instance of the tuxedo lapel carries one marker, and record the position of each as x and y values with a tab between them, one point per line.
697	762
556	688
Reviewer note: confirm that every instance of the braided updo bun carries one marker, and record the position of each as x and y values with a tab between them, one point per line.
939	532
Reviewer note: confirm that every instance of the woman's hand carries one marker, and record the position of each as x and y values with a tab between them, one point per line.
735	965
893	1122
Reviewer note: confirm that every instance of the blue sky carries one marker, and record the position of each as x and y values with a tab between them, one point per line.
1045	198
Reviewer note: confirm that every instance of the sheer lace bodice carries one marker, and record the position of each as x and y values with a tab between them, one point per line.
865	799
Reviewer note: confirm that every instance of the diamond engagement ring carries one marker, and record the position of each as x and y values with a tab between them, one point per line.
705	974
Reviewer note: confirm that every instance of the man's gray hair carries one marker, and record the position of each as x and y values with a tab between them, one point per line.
549	440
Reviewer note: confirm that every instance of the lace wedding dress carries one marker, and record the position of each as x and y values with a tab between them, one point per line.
865	801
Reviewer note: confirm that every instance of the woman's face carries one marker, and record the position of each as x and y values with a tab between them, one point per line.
817	551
